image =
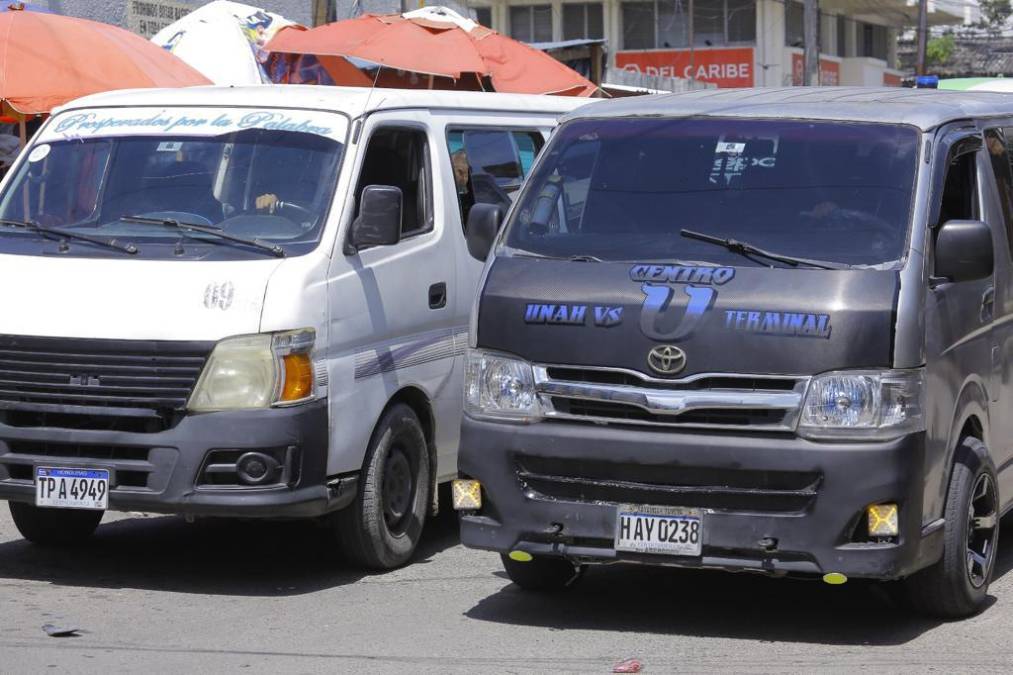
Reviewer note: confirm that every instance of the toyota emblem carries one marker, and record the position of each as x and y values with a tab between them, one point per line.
666	359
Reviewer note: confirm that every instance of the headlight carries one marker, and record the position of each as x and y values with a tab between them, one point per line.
863	404
256	371
500	387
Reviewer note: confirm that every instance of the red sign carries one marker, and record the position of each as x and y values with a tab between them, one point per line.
830	71
891	80
724	67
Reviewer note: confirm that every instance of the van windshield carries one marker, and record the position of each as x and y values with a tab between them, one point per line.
271	184
625	189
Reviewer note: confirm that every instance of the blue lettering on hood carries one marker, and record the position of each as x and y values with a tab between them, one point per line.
682	274
790	324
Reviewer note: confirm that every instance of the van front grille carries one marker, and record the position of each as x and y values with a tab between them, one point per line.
668	485
73	379
711	401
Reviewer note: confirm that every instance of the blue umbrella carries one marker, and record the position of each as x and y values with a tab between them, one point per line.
26	6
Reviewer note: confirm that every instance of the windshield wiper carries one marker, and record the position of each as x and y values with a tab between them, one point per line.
273	249
65	234
746	249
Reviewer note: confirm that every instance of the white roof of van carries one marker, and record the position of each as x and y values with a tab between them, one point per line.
352	101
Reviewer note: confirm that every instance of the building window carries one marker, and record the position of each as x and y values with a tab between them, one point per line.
666	24
794	24
872	41
741	20
842	36
638	25
673	23
483	15
531	23
583	21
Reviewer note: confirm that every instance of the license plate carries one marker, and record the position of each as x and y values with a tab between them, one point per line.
71	488
659	529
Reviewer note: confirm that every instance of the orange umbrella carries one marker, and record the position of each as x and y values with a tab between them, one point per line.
438	42
47	60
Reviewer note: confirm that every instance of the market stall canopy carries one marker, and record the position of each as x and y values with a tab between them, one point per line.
47	60
438	42
225	41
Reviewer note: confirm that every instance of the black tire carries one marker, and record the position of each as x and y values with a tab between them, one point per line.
543	574
382	527
957	585
54	527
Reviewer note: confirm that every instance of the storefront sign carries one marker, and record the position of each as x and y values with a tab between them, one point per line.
830	71
724	67
147	17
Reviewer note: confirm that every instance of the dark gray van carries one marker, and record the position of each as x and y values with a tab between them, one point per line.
763	330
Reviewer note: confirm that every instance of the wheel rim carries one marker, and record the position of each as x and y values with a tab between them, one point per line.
982	528
398	490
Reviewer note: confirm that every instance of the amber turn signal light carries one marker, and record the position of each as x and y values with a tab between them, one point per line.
298	377
467	495
883	520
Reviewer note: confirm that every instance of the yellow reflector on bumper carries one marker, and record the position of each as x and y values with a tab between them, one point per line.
835	578
467	494
883	520
521	556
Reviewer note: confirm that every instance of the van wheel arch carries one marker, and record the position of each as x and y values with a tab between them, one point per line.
419	402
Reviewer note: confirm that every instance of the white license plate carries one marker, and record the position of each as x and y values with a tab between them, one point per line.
71	488
666	530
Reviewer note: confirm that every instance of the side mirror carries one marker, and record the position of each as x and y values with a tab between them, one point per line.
484	221
379	219
964	250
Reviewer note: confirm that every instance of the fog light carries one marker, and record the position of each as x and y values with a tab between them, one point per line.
521	556
256	468
467	495
835	578
883	520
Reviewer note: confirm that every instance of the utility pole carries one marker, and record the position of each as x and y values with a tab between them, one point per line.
811	41
923	35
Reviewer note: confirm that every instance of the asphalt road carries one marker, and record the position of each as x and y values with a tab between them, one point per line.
158	594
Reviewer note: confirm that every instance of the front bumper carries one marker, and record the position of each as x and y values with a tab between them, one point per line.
771	503
158	472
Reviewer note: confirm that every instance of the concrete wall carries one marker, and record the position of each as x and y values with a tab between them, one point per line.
115	11
300	11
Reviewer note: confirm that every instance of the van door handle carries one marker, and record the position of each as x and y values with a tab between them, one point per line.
987	304
438	295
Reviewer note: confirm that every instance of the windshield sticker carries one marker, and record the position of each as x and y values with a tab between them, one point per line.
170	146
730	148
572	315
39	153
190	122
791	324
731	160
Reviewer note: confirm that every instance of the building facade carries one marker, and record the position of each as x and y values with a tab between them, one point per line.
730	43
147	17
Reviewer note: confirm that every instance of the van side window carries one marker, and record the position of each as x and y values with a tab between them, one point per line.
960	191
400	157
997	142
490	164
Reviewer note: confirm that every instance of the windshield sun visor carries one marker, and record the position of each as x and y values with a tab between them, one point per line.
248	181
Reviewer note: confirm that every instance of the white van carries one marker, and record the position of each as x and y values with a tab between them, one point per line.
247	302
